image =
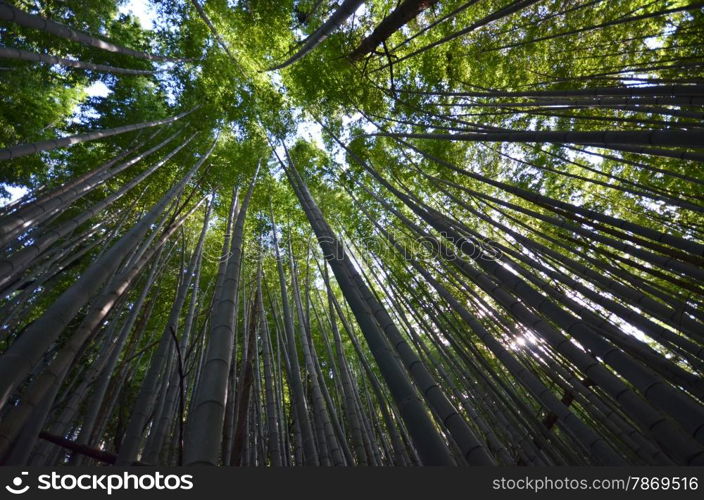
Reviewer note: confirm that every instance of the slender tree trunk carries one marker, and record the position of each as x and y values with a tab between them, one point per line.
18	262
429	443
35	147
25	55
39	210
401	15
17	16
506	11
19	359
273	440
205	423
173	394
159	371
345	10
247	378
310	453
101	386
55	373
604	138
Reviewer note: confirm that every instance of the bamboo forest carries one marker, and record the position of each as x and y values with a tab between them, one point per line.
288	233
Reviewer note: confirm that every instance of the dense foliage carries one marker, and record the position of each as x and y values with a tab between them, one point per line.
316	232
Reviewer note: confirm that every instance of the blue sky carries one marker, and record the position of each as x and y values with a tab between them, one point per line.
142	10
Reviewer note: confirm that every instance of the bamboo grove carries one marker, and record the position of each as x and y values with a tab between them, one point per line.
341	233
